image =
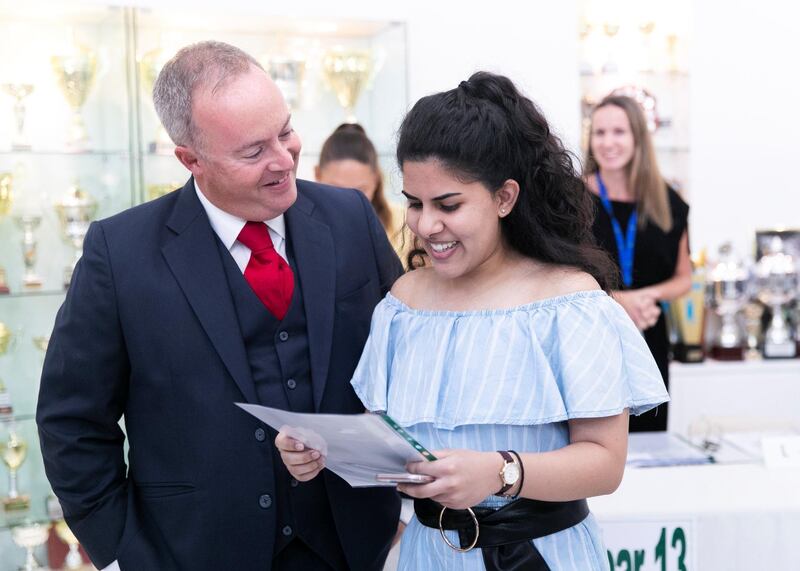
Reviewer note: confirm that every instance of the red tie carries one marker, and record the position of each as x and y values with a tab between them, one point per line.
267	273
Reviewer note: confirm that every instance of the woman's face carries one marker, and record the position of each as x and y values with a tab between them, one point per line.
349	173
612	140
457	223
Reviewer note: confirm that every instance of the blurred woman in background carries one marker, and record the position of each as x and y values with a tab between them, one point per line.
349	160
642	223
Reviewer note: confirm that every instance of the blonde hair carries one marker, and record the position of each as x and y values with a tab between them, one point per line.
644	178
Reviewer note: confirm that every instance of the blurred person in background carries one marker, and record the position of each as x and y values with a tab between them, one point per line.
642	222
349	160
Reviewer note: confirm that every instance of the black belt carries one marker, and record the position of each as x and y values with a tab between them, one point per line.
504	535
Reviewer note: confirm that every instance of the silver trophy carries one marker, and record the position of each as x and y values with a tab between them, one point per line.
776	276
288	73
30	536
29	223
76	210
19	91
728	292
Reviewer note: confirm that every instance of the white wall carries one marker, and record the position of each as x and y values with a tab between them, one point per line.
745	120
535	43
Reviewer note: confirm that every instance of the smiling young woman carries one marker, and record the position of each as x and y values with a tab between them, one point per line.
504	354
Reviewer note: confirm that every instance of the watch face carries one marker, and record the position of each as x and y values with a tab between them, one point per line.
511	473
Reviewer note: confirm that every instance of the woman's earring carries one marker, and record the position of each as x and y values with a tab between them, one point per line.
502	212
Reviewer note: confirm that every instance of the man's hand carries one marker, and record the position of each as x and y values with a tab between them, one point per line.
303	463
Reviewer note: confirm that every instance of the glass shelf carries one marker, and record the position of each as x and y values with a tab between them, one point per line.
15	294
17	418
56	153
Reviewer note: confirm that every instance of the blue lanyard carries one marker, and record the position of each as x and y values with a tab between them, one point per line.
625	243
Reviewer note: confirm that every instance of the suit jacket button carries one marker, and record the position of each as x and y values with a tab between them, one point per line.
291	383
265	501
261	434
287	530
283	336
293	483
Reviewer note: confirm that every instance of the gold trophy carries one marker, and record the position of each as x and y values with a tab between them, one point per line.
157	190
73	560
30	536
347	72
753	311
19	91
150	64
6	410
6	198
688	316
29	223
76	73
41	342
13	451
76	210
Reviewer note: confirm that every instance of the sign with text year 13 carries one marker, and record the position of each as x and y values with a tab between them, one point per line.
649	544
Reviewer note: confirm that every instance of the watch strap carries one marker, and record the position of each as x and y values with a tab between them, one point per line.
507	459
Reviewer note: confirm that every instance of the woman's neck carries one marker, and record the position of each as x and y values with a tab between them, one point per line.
616	183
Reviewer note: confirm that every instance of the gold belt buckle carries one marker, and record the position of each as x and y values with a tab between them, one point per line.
453	546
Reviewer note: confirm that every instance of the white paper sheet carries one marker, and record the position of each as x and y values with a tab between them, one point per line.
356	447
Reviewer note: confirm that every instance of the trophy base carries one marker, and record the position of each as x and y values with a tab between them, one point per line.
786	350
21	502
688	353
753	355
4	289
727	353
67	278
24	147
32	283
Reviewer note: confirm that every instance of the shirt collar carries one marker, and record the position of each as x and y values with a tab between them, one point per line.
227	226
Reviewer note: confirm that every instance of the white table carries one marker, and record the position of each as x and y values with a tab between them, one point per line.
732	517
743	394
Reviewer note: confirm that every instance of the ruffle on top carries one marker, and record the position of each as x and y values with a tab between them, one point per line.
572	356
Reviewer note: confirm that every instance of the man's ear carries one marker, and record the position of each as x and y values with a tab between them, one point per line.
189	158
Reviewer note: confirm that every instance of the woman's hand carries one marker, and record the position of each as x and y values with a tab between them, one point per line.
641	305
303	463
464	478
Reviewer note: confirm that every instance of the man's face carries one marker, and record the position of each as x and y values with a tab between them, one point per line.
245	154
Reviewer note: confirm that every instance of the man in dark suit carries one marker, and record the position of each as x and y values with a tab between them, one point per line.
244	285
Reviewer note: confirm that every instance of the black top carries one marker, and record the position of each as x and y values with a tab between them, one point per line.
654	259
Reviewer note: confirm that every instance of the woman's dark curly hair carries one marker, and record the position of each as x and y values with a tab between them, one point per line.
485	130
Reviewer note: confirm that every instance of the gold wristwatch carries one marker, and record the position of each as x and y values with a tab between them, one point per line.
509	473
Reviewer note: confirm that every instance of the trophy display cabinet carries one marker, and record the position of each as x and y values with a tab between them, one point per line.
80	140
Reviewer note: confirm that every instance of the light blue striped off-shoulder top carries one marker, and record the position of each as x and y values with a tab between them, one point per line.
505	379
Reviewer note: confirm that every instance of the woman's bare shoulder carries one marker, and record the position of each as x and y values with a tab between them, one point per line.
564	280
407	288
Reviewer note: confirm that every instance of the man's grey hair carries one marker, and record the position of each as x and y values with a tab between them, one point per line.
204	65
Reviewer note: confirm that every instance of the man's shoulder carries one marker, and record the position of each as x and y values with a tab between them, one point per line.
343	208
323	194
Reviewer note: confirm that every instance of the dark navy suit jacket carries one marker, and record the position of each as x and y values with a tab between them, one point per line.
148	332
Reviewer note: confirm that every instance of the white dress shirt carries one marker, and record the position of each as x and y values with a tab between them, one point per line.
227	227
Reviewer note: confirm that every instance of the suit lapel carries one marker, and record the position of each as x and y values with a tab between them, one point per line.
193	256
312	244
